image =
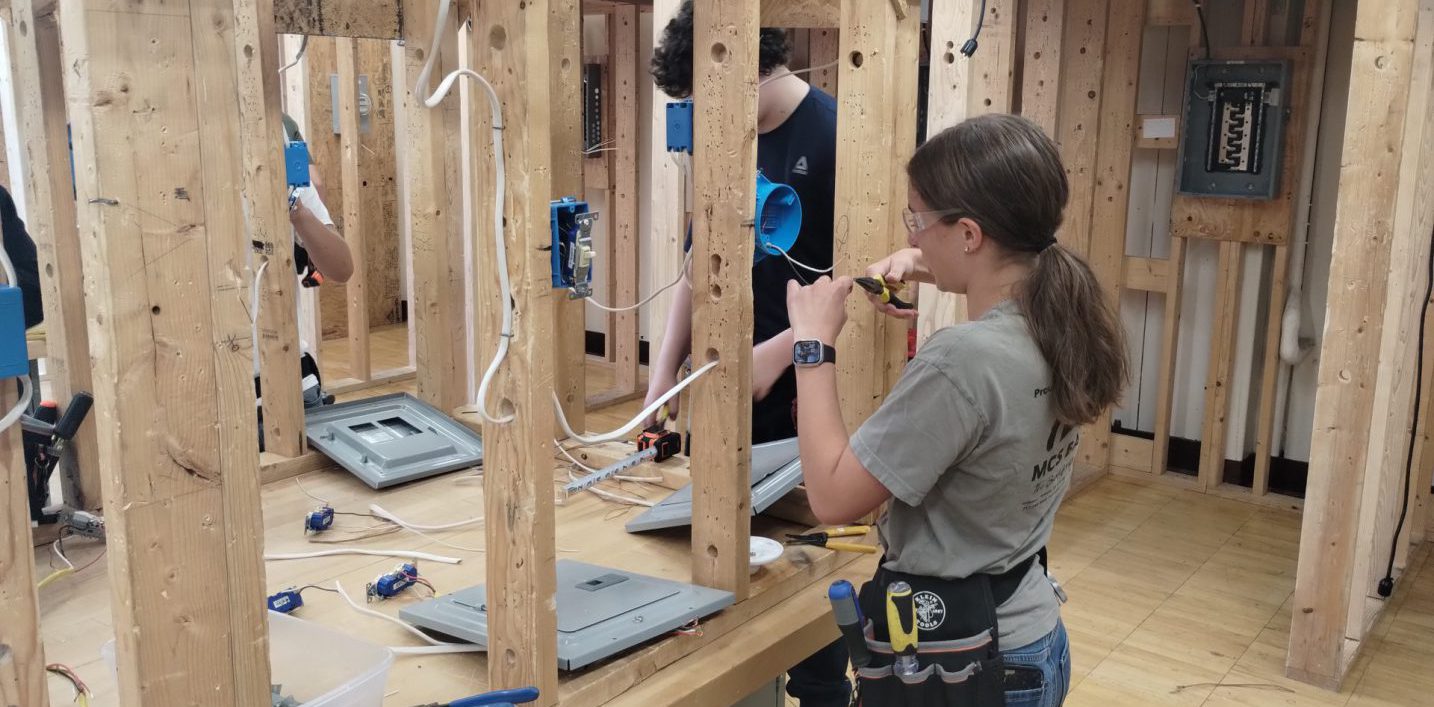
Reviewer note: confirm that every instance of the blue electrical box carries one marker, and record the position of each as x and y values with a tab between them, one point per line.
572	248
296	163
14	354
679	127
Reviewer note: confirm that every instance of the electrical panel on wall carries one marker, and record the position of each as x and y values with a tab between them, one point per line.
1235	113
592	109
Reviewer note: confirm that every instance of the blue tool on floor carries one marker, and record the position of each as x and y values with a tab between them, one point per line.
497	698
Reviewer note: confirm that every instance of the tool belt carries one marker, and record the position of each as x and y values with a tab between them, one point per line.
959	652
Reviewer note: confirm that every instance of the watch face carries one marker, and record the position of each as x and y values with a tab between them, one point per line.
807	353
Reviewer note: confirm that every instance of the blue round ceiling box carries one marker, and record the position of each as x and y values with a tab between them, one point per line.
779	218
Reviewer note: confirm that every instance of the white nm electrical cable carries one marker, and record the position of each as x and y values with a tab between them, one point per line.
681	275
413	529
778	250
379	511
432	642
799	71
500	182
634	422
401	554
303	47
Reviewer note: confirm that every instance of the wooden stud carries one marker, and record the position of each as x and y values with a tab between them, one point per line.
356	289
50	220
1168	13
164	240
1389	430
1082	59
1169	349
891	349
1124	35
22	681
565	86
1146	274
512	49
822	50
377	19
668	202
1041	68
947	103
622	51
802	13
724	44
437	309
1222	357
1374	139
264	196
1270	373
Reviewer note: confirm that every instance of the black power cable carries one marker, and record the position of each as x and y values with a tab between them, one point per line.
969	47
1204	31
1386	585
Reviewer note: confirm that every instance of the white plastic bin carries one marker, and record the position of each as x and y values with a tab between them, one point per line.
320	667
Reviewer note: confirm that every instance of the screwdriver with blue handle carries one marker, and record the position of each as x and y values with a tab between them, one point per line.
847	612
901	624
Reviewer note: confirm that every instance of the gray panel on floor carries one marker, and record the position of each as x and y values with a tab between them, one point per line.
776	470
601	611
392	439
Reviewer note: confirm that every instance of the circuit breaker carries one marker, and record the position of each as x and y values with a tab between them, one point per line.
1235	113
592	109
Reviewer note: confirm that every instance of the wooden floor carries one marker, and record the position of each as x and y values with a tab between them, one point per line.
1176	597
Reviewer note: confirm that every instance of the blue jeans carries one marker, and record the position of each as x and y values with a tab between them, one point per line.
1052	655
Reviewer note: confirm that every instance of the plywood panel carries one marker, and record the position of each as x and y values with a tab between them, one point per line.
381	19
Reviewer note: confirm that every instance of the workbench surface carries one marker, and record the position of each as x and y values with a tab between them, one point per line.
740	649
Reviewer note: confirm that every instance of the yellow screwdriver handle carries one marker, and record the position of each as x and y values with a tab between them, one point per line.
900	618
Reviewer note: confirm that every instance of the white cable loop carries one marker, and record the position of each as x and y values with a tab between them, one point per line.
401	554
500	184
681	275
634	422
391	619
379	511
778	250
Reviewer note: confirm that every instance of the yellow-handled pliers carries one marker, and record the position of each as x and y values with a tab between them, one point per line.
884	292
824	539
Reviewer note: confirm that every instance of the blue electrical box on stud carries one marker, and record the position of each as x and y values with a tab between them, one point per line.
572	248
779	218
14	353
296	163
679	127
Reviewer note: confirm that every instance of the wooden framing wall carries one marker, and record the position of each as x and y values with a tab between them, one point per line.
1381	240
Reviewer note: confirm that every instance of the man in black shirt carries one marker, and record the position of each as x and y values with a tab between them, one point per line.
796	146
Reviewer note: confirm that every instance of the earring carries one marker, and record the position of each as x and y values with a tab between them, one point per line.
968	250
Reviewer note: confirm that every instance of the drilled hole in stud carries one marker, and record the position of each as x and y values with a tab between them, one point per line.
950	58
711	355
719	52
857	59
498	37
716	291
566	63
716	264
505	407
711	550
154	309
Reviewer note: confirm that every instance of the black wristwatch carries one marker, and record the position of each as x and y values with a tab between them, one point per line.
809	353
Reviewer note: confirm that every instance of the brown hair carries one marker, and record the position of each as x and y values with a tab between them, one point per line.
1004	173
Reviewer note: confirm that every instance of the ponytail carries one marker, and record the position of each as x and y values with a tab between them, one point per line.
1077	331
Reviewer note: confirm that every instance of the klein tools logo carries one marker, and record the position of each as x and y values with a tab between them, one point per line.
930	610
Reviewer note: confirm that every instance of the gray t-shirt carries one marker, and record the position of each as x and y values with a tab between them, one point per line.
969	447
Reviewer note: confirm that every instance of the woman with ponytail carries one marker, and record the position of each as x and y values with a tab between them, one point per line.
975	446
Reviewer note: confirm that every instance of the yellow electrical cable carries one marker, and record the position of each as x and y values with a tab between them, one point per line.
53	577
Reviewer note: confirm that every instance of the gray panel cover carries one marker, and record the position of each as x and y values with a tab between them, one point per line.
601	611
391	439
776	470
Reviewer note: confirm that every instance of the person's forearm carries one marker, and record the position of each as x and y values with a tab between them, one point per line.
677	340
770	360
327	249
821	433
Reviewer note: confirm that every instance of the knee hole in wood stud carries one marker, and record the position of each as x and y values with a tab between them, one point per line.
950	58
716	291
716	264
857	59
711	355
719	52
711	550
498	37
506	408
